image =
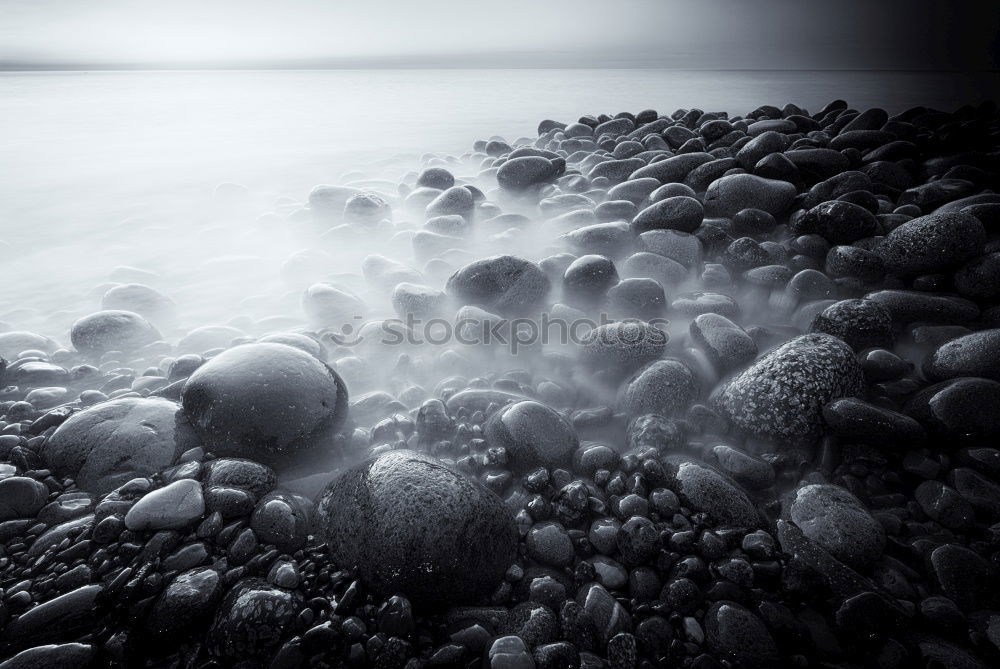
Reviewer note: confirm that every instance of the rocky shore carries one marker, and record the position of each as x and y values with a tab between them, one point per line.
763	434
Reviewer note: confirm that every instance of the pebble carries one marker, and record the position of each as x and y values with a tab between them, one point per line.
533	435
171	507
836	520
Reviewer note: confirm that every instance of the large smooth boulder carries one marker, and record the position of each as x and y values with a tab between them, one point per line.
411	524
733	193
264	402
108	444
506	285
782	395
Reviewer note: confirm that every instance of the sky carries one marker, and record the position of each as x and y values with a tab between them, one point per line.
697	34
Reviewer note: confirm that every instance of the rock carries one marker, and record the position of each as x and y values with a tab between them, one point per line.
520	173
674	213
587	279
964	407
247	475
53	656
58	619
943	504
21	497
673	169
857	420
746	469
838	222
601	613
505	285
108	444
185	605
665	387
532	434
735	192
112	331
282	519
171	507
933	243
325	305
417	301
979	279
964	577
726	344
781	396
508	652
911	306
252	621
264	401
861	323
549	544
735	634
455	200
641	299
436	177
974	354
14	342
442	538
837	521
704	489
624	346
139	298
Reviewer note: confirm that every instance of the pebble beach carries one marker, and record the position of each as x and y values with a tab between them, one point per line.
683	388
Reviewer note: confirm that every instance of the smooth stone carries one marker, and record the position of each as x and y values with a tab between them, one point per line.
735	634
856	420
835	519
171	507
549	544
521	173
622	346
674	213
53	656
966	408
911	306
112	330
265	402
976	354
21	497
727	345
282	519
746	469
964	577
702	488
504	284
933	243
247	475
186	604
110	443
532	434
665	387
730	194
57	619
443	539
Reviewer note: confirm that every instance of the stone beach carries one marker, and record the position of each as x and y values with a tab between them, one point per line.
686	389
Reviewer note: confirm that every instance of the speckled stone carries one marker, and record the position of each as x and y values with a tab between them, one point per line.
782	395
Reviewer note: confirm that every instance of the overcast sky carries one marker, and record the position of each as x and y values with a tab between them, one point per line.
728	34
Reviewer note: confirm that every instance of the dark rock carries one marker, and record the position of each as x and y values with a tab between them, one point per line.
735	634
704	489
442	538
174	506
252	621
731	194
976	354
674	213
837	521
264	401
861	323
934	243
506	285
726	344
532	434
665	387
184	606
857	420
113	442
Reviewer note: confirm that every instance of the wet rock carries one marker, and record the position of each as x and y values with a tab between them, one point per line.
184	606
56	656
965	407
59	619
727	196
933	243
442	538
281	519
735	634
704	489
963	576
781	396
113	442
622	346
974	354
838	222
174	506
264	401
837	521
21	497
247	475
857	420
911	306
532	434
748	470
665	387
506	285
252	621
520	173
674	213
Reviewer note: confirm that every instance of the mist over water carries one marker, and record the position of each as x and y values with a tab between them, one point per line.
104	170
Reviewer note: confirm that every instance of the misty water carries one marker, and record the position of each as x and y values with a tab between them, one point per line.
104	170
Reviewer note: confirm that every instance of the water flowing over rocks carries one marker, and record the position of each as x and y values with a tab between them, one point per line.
687	389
